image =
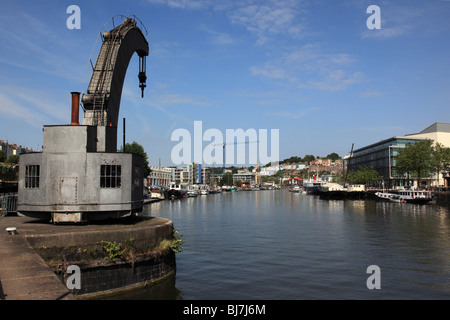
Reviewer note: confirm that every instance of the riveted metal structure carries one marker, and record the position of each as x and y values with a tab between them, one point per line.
79	175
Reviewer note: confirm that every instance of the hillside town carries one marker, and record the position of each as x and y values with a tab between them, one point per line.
380	157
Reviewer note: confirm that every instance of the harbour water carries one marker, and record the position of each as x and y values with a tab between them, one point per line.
280	245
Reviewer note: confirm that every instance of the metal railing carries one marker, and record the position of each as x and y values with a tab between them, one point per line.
8	204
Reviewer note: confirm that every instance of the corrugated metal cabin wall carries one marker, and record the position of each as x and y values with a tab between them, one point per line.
66	138
122	194
30	195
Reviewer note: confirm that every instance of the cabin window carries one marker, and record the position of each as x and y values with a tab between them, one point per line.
110	176
32	174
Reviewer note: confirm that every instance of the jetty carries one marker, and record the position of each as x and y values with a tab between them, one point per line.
35	254
23	273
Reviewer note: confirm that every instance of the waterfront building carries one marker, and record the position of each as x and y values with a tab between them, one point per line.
206	175
194	173
160	177
381	155
12	149
268	171
245	177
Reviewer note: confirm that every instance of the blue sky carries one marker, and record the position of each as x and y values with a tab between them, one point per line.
311	69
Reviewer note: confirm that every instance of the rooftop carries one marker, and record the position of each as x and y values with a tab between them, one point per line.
435	127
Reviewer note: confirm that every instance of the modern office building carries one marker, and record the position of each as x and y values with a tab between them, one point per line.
194	173
247	177
381	155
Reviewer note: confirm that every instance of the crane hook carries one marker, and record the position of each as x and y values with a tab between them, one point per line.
142	76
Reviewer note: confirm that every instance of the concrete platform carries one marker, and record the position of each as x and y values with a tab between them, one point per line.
25	275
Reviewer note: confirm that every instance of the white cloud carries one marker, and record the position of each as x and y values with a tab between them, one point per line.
45	52
33	107
311	67
296	114
264	19
371	94
178	99
183	4
396	21
268	19
219	38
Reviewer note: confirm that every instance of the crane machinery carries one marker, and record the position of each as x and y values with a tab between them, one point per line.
79	175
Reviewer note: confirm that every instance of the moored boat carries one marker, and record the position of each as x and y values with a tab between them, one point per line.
408	196
312	186
177	191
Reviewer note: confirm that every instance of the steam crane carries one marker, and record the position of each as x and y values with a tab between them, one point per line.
79	175
102	99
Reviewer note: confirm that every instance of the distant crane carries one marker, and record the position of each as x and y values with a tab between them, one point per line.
234	143
348	166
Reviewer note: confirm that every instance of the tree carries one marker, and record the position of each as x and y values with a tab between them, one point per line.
308	158
333	156
13	159
136	148
8	172
364	175
293	159
416	160
227	179
441	159
2	156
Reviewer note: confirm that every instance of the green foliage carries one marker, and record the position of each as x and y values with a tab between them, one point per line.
415	160
136	148
420	159
13	159
8	173
308	158
441	158
364	175
333	156
2	156
293	159
113	249
280	173
176	244
227	179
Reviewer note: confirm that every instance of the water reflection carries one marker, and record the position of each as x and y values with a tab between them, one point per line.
163	290
283	245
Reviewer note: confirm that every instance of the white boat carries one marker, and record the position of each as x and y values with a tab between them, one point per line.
192	193
384	195
295	189
204	189
408	196
312	186
157	195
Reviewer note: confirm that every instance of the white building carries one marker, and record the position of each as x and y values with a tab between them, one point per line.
163	175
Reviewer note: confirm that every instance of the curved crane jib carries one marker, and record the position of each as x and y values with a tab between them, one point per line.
102	99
